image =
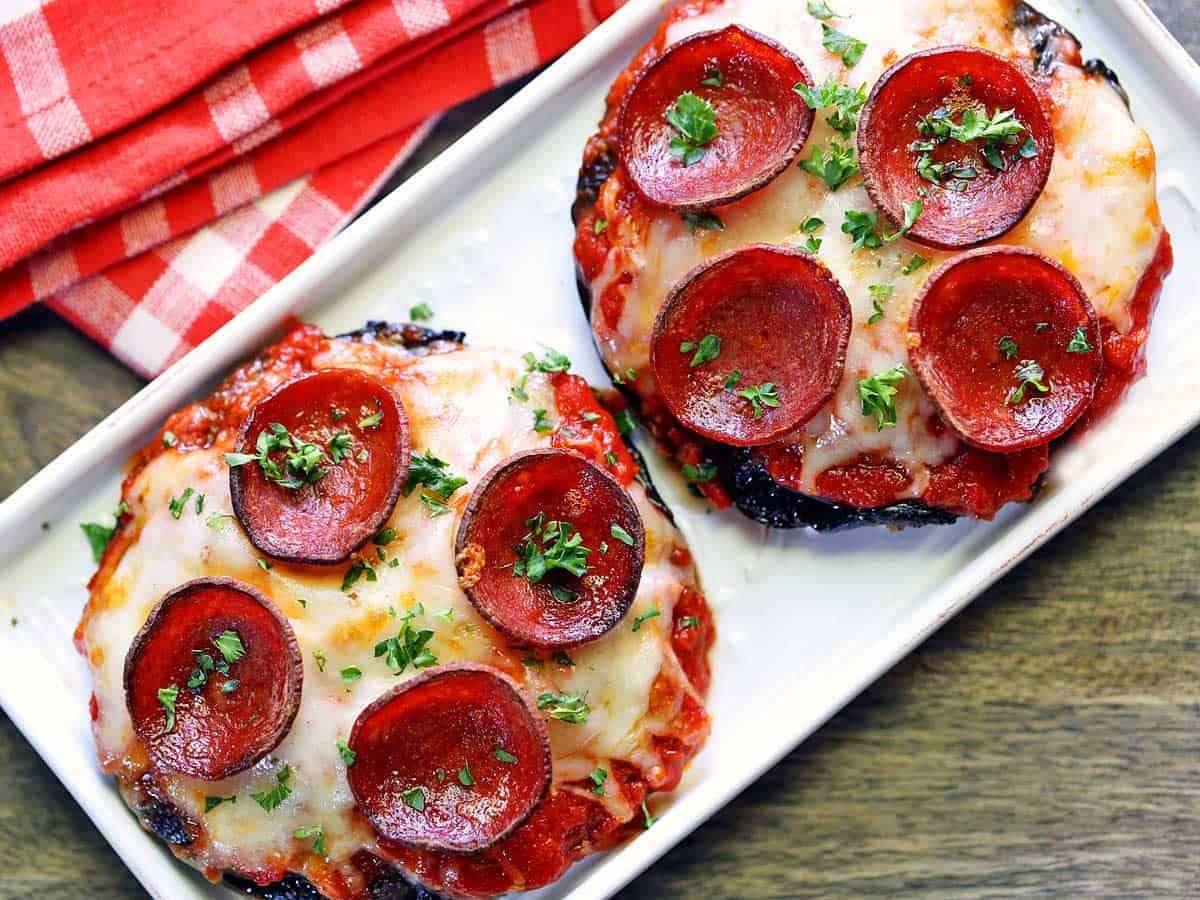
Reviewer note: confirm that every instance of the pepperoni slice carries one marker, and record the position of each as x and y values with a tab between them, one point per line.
915	140
761	123
782	322
550	549
213	679
454	759
1008	345
336	448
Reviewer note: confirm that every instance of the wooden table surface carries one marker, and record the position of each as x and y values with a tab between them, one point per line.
1045	740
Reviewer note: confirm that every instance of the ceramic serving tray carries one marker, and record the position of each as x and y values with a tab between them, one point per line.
483	235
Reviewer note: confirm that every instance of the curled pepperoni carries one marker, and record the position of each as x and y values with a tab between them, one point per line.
1008	345
914	141
775	323
213	679
454	759
550	549
761	123
330	455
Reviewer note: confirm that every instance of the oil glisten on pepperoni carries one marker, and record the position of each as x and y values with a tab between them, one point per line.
232	719
761	122
454	759
781	319
524	507
1008	346
360	430
986	202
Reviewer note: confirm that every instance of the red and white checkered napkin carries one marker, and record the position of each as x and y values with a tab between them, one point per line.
164	162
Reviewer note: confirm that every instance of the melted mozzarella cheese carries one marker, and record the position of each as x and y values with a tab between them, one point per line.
1098	216
458	407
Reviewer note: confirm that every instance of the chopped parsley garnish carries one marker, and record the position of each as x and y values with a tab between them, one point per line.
407	648
465	778
846	101
357	570
351	674
415	798
569	708
263	564
644	618
229	643
504	756
1040	327
836	168
421	313
269	800
598	776
878	395
760	396
647	819
707	350
1030	375
714	77
880	294
850	49
176	504
694	120
166	698
562	659
1079	342
339	446
303	462
610	458
551	361
866	231
211	803
1001	128
428	471
371	421
561	547
348	755
625	421
1008	347
936	173
811	225
913	264
732	381
620	534
689	622
168	439
230	685
317	833
699	474
706	220
600	225
541	421
99	536
819	9
320	658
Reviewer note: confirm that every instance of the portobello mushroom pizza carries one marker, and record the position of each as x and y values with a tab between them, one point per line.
388	615
860	262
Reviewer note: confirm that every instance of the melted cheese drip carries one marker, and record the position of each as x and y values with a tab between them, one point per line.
458	407
1098	216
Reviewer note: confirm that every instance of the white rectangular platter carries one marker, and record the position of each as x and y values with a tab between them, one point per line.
483	235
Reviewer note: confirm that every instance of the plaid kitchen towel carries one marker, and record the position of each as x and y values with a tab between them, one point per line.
165	162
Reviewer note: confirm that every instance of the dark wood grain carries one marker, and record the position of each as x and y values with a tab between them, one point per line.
1044	741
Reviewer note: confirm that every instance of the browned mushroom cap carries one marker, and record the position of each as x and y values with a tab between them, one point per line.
751	344
761	123
453	759
911	144
213	679
332	450
1007	344
550	549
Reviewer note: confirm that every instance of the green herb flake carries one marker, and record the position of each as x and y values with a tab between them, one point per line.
351	674
348	755
599	225
271	799
169	439
598	776
694	121
541	421
166	699
414	798
504	756
878	395
1008	347
550	545
819	9
761	396
834	166
708	349
644	618
850	49
465	778
689	622
570	708
1029	374
317	833
405	648
176	504
620	534
421	313
1079	342
320	658
230	646
211	803
705	221
917	262
700	474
